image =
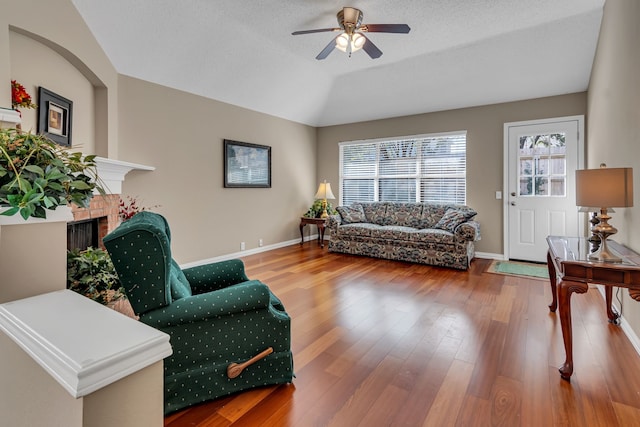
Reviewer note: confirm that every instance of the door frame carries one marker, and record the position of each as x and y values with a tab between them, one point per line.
505	170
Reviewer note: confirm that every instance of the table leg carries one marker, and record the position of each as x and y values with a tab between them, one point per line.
565	289
321	235
302	233
612	315
553	277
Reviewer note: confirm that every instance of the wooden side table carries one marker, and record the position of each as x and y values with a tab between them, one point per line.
321	223
570	271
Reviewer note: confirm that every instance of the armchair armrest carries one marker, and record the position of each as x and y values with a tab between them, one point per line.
469	230
214	276
248	296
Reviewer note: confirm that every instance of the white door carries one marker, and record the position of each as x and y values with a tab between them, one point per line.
541	158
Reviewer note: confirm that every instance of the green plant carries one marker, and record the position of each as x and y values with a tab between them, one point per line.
37	174
90	272
316	210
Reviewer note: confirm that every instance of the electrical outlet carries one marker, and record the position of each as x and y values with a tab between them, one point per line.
242	246
260	242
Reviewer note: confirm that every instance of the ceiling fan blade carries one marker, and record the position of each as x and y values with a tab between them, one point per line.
386	28
319	30
371	49
327	50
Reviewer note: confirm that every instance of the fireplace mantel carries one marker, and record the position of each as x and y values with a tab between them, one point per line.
112	172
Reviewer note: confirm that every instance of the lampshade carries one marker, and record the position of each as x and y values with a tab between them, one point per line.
324	191
605	187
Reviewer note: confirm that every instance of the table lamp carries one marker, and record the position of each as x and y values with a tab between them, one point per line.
324	193
607	188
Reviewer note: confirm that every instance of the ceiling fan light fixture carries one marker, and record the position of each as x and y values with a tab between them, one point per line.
342	41
357	41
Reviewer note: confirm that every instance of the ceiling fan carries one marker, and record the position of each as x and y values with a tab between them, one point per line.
351	38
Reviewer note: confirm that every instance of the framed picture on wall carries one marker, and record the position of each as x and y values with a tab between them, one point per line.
54	116
246	165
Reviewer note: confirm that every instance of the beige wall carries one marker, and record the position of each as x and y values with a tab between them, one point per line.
30	396
484	126
62	78
614	116
182	136
46	43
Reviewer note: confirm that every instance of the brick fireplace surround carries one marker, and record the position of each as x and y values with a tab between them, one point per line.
104	209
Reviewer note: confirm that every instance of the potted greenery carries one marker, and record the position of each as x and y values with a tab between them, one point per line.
316	210
36	174
90	272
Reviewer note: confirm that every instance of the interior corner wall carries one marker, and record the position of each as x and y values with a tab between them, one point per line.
485	129
181	135
613	121
29	28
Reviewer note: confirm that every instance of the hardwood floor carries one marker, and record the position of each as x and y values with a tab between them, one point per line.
383	343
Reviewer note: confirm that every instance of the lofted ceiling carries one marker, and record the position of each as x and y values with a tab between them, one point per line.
458	53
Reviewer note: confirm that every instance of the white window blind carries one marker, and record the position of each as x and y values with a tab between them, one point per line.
428	168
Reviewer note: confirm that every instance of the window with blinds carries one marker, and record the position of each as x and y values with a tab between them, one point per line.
427	168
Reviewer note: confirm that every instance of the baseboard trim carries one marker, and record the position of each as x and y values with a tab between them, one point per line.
488	255
626	327
253	251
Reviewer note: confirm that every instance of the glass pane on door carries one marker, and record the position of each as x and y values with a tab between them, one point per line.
542	164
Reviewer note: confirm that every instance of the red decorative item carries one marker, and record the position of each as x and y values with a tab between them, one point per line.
129	208
20	97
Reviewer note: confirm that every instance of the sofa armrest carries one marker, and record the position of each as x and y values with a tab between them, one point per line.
248	296
214	276
468	230
333	222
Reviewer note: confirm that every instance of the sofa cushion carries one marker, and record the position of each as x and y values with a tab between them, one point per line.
466	211
431	214
393	232
352	214
362	229
433	236
376	213
404	214
450	220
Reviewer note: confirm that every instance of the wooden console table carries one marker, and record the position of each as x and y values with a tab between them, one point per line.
570	272
321	223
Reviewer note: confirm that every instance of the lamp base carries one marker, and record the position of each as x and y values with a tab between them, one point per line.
603	254
324	214
603	230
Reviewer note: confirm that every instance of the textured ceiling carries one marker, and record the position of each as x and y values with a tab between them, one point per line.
458	53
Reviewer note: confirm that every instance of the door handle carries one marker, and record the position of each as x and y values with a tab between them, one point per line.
513	193
513	203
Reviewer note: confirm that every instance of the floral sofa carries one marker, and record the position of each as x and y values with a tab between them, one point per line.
426	233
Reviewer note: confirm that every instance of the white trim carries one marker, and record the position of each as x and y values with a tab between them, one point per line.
394	138
488	255
626	327
505	168
10	116
59	214
248	252
84	345
112	172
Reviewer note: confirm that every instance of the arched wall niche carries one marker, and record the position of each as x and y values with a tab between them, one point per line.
90	116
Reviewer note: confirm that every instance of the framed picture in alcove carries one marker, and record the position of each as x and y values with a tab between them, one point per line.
246	165
54	116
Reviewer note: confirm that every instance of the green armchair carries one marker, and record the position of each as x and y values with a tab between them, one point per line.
215	316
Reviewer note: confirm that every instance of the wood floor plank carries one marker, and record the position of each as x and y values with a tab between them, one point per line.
446	407
383	343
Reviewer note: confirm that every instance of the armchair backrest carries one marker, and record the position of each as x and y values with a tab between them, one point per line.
140	250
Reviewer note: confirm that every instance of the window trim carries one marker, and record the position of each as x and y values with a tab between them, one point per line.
376	177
